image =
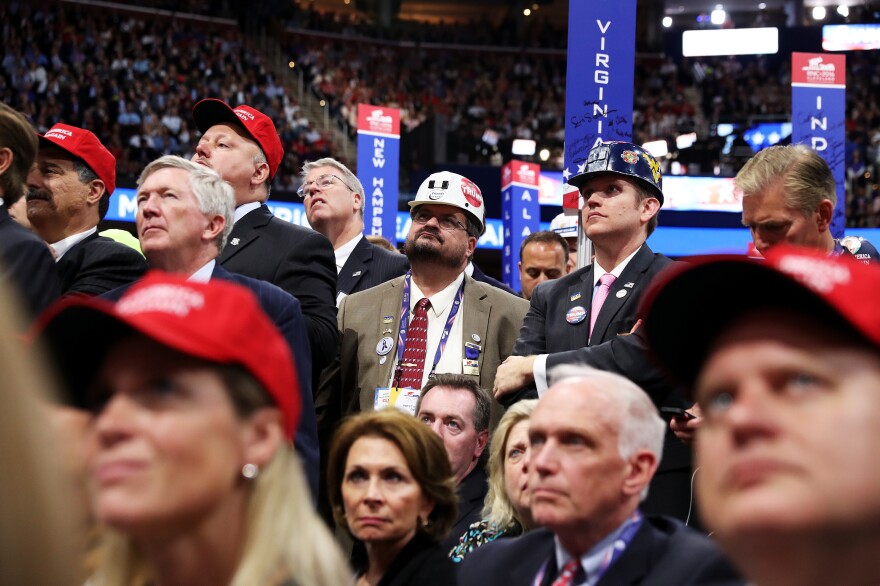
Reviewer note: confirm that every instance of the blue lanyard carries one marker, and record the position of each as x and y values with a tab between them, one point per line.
614	551
404	326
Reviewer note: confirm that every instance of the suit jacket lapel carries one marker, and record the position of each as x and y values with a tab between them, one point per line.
579	295
245	231
634	564
355	268
475	327
621	294
390	306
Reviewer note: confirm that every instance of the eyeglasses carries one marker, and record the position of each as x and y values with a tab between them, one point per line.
448	223
322	183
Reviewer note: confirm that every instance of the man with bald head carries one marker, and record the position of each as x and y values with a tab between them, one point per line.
596	440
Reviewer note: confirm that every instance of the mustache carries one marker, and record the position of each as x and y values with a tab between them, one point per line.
432	231
41	194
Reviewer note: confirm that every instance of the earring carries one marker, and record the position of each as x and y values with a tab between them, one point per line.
250	471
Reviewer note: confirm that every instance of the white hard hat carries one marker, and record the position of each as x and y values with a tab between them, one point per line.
454	190
565	225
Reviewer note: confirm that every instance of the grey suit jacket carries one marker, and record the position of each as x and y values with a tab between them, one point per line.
349	384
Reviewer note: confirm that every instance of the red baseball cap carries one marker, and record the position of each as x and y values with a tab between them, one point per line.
84	145
688	307
217	321
260	127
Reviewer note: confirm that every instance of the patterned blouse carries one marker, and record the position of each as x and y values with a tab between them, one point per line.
477	534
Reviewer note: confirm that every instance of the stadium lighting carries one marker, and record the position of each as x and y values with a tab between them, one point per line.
718	16
527	12
762	6
523	147
544	154
667	21
658	148
843	10
819	13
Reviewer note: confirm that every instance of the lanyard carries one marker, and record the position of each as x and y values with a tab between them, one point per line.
613	552
404	326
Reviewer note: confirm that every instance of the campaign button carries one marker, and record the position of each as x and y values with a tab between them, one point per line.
384	346
576	315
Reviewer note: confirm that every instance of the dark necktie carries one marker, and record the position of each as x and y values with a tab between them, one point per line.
413	362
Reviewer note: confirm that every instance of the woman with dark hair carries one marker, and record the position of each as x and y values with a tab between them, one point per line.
393	488
192	473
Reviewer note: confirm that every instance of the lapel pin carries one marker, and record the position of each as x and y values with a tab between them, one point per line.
475	337
384	346
356	274
387	319
383	359
234	241
621	294
575	297
629	285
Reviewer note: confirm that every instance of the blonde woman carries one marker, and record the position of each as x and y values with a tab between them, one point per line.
191	468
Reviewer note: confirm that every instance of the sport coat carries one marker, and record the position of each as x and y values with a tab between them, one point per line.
284	311
663	552
297	259
97	264
28	265
367	266
349	384
552	325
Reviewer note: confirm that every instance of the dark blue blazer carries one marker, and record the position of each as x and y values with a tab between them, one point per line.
479	275
284	311
98	264
369	265
27	263
662	553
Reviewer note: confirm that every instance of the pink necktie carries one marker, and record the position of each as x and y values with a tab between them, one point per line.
566	576
605	282
413	362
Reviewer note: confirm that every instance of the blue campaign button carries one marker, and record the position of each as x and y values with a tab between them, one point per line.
576	315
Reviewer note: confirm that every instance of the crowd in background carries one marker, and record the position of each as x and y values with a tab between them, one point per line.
134	81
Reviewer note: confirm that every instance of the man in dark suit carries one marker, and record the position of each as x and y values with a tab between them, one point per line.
334	200
242	145
457	409
26	260
184	215
69	194
568	323
596	440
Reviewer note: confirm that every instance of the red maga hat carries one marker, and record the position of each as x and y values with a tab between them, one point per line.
218	321
688	307
260	127
84	145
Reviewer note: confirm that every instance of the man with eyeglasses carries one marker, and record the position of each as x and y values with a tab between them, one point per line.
435	319
243	147
334	200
